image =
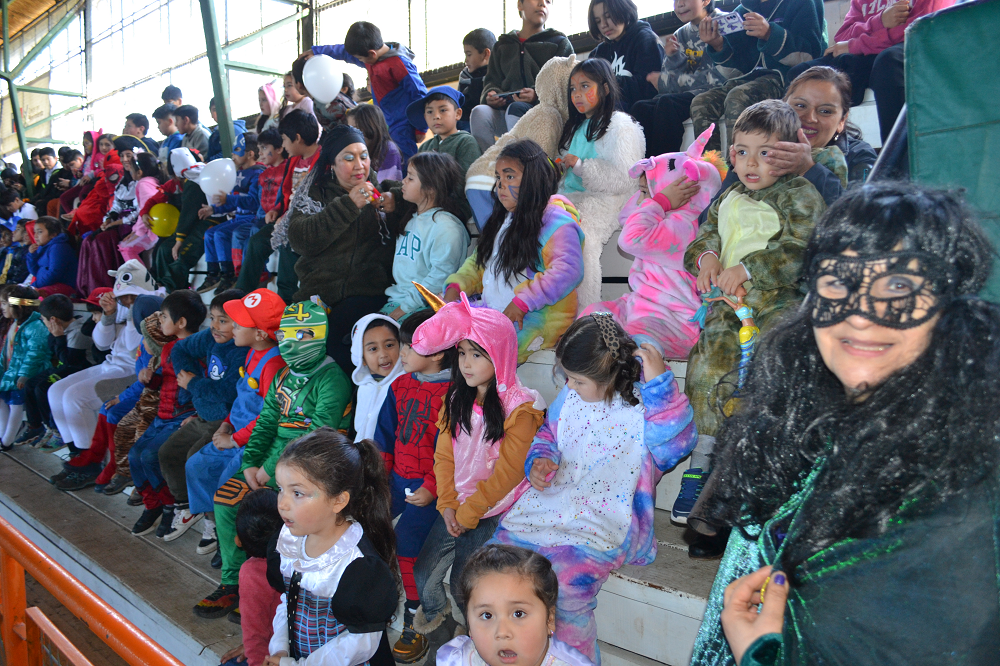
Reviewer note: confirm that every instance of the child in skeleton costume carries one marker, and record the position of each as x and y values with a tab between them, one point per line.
594	465
663	300
311	392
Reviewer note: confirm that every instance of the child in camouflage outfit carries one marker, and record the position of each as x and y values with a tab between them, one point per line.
752	243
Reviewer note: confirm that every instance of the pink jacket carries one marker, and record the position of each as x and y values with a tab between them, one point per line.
145	238
494	332
863	28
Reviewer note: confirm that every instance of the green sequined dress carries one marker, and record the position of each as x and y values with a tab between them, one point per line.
927	591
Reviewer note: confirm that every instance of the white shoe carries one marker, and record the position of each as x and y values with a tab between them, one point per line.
209	542
183	520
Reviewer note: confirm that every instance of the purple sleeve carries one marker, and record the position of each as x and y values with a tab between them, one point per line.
562	272
670	433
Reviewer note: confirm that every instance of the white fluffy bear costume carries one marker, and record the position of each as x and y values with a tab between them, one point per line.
608	185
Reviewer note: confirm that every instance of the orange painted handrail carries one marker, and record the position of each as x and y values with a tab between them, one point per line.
122	636
38	626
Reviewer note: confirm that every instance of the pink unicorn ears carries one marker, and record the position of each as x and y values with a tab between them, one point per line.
698	147
641	167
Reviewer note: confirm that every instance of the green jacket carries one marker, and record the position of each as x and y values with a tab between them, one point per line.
777	269
344	251
327	403
31	353
462	146
514	65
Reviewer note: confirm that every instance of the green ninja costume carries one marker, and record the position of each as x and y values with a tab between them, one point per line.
310	393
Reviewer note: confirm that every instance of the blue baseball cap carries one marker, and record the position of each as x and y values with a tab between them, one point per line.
240	147
415	111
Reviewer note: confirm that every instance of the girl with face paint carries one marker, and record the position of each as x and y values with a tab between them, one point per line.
529	261
597	148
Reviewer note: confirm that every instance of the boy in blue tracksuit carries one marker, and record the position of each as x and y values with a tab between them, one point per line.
244	202
207	365
392	76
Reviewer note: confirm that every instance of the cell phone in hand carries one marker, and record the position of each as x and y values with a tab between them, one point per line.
729	23
509	94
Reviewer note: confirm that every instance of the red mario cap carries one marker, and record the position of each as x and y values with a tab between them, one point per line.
95	296
261	308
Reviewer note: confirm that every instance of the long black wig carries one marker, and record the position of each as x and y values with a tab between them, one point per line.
927	433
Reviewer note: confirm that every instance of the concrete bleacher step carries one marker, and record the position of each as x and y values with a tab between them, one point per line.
152	583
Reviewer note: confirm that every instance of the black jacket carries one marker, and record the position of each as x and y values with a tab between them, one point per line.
515	64
633	57
470	84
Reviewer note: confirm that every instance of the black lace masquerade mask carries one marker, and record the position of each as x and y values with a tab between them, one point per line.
895	289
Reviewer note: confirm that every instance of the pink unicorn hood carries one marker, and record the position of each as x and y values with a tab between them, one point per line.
664	169
488	328
272	98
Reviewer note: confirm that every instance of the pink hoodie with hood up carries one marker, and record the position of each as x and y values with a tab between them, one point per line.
474	458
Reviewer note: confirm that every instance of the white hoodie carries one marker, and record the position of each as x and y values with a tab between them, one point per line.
371	391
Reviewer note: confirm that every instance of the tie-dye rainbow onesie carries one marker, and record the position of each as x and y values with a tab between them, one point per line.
598	513
663	297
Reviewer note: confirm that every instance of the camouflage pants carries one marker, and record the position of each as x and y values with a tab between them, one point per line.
712	366
725	104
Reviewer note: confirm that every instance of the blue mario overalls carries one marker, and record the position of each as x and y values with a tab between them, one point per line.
211	467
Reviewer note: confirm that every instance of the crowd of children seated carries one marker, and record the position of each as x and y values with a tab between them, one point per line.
358	214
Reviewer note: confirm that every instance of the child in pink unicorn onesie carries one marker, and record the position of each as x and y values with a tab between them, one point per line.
663	299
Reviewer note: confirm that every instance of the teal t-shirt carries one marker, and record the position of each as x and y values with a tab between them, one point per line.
583	149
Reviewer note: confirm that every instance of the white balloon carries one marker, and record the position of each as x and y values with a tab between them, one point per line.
218	177
322	78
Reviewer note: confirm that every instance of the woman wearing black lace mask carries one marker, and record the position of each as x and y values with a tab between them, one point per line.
862	462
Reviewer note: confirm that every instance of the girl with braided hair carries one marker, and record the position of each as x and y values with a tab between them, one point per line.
593	467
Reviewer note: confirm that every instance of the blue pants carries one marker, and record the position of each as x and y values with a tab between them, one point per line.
206	471
243	232
144	459
414	522
115	414
219	240
402	134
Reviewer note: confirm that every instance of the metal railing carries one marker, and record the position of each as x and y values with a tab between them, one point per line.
28	637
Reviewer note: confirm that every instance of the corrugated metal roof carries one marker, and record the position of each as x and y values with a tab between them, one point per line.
22	12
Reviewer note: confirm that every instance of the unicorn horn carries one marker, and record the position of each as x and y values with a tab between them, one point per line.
695	149
432	299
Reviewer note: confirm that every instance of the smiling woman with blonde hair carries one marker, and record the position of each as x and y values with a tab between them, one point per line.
860	471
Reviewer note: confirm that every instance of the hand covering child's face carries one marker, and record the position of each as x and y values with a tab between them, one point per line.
747	155
508	172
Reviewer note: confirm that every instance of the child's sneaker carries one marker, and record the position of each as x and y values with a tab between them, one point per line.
30	436
411	646
225	282
226	598
210	283
59	476
167	522
50	441
234	615
691	484
183	520
118	483
147	521
135	499
80	478
216	562
209	542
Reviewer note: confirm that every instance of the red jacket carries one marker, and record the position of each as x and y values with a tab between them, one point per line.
270	186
